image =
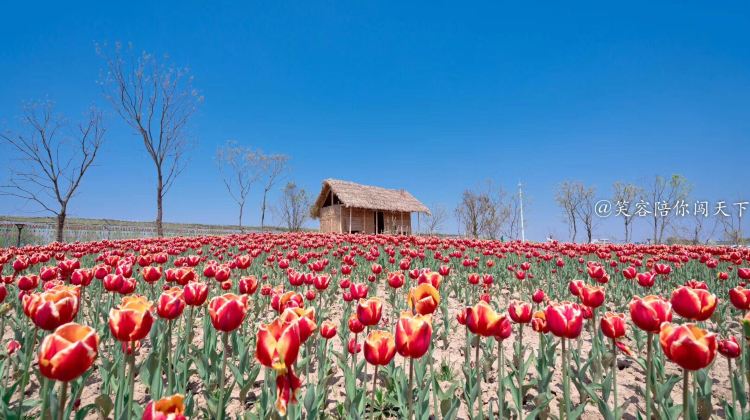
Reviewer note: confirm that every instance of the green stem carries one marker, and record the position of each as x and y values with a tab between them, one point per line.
614	377
63	397
26	372
170	371
409	391
131	379
374	380
220	406
479	376
566	379
45	392
685	394
649	372
500	377
734	393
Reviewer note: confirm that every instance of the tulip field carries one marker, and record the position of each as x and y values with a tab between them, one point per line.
308	325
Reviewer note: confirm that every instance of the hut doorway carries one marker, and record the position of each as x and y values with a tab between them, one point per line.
379	222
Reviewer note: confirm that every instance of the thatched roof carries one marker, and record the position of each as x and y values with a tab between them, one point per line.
368	197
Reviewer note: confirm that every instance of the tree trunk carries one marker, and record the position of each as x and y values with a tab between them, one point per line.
159	196
242	206
656	237
263	211
60	226
575	229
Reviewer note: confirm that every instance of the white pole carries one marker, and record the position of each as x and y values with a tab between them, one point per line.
520	203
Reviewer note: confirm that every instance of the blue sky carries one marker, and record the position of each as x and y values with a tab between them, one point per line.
433	97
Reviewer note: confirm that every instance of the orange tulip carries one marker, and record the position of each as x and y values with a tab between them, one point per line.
170	304
306	319
424	298
564	320
539	322
695	304
520	312
380	347
369	311
132	320
689	346
277	347
68	352
613	325
413	334
52	308
169	408
278	343
227	311
649	312
286	391
482	320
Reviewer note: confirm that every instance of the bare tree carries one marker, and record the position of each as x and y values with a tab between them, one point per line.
568	199
433	222
585	209
662	195
55	158
240	168
482	214
469	213
273	168
294	207
732	223
512	226
157	101
624	197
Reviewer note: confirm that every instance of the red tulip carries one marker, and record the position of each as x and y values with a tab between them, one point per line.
396	279
369	311
355	325
151	274
52	308
520	312
248	285
327	329
592	296
695	304
413	335
538	296
613	325
739	296
650	312
227	311
729	348
170	304
195	293
564	320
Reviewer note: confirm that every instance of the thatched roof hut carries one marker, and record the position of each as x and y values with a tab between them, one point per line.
344	206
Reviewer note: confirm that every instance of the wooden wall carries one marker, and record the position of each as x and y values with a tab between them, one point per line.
329	219
336	218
